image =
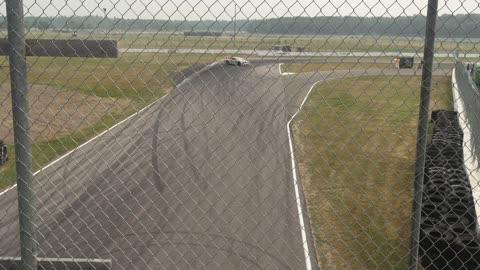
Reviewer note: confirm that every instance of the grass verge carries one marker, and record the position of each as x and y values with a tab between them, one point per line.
260	41
355	146
137	78
314	67
45	152
140	77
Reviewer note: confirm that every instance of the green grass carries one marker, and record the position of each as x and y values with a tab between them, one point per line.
314	67
355	141
263	42
45	152
138	78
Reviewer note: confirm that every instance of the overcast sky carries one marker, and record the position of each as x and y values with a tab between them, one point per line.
252	9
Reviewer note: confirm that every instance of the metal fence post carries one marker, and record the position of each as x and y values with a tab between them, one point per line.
18	78
422	131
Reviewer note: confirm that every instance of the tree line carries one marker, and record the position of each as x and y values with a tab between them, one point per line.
457	26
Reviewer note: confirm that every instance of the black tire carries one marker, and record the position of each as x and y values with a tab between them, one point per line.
4	155
239	63
227	62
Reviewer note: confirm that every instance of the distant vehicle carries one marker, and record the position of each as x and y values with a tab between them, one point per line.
406	62
286	48
277	48
235	61
282	48
3	153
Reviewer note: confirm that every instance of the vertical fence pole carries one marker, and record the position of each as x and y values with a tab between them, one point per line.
18	79
234	25
422	131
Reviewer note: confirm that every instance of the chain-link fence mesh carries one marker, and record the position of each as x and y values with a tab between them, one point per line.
240	134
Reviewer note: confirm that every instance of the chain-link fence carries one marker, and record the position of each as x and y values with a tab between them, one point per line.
239	134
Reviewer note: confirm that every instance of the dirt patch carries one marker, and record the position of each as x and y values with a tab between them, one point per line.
54	113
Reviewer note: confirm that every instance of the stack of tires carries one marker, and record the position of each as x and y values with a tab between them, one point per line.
449	226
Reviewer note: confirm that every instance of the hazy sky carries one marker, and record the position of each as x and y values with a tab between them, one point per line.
253	9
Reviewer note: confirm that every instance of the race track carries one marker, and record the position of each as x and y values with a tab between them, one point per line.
202	179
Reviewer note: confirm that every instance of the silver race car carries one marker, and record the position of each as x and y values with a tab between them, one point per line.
235	61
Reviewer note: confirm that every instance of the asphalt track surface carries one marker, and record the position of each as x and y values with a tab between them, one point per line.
202	179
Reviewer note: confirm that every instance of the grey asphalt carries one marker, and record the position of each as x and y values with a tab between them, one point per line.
202	179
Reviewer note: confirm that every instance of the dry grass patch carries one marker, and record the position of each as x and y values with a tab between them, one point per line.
55	113
355	147
74	99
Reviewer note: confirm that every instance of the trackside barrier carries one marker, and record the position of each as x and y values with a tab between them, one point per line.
470	97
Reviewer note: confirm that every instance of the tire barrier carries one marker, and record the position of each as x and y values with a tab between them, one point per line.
448	237
3	153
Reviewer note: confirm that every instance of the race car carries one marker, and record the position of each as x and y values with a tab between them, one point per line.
230	60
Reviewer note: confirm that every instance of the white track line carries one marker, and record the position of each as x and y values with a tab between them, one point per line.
8	189
295	178
469	158
283	73
85	143
306	249
110	128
